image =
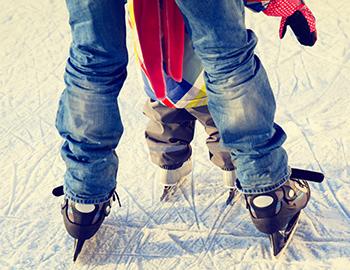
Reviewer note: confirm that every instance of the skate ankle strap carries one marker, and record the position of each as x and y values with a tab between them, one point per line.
58	191
307	175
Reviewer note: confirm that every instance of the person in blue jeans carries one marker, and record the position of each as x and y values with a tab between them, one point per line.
240	100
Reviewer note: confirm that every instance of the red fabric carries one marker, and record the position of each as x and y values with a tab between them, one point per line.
174	34
147	19
285	8
151	23
168	103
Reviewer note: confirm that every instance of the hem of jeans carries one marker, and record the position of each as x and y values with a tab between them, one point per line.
251	191
71	196
228	169
172	167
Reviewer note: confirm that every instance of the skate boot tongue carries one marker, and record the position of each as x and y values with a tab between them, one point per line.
85	208
263	201
85	214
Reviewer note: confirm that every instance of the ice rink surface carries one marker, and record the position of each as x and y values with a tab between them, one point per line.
195	230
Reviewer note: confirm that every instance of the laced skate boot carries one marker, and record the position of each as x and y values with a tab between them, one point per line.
170	178
276	213
82	221
230	178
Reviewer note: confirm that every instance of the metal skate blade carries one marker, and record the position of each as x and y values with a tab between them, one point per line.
168	191
233	196
78	245
281	239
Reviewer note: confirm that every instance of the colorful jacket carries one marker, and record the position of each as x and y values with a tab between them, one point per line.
171	71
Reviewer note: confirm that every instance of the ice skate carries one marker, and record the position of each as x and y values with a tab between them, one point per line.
82	221
276	213
170	178
230	178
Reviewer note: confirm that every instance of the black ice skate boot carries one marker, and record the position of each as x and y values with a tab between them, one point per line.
82	221
230	178
276	213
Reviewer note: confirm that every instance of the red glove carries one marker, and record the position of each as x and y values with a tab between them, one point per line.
298	16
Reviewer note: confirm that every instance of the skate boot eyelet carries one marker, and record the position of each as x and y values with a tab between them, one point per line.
291	194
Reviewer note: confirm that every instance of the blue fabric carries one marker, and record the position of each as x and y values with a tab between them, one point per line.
175	90
240	97
88	116
179	89
147	87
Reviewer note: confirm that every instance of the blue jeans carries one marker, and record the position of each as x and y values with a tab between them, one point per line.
240	97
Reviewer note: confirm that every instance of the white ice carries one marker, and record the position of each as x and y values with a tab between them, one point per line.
195	230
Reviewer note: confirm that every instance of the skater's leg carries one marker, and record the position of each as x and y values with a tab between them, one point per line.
168	134
217	153
241	101
242	105
88	116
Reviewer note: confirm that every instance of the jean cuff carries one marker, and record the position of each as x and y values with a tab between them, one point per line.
228	169
76	198
171	167
265	189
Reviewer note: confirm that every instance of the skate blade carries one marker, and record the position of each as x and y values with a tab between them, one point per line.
78	245
233	197
279	242
168	192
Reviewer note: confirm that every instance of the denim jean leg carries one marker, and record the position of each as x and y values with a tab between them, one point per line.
241	100
88	116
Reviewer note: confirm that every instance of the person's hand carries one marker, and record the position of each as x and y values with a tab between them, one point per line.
298	16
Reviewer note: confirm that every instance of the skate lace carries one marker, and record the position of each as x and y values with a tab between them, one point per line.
115	197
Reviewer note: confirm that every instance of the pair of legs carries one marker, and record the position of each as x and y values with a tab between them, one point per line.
169	134
241	104
241	101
